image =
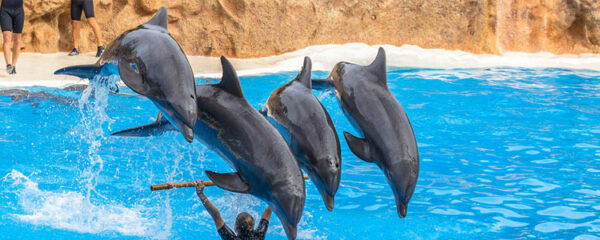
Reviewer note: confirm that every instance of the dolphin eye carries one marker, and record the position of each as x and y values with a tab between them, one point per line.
134	67
192	96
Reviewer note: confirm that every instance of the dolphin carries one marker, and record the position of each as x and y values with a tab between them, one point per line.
387	138
265	165
306	125
20	95
151	63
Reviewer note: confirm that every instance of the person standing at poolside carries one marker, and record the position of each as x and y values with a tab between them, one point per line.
244	223
87	7
12	18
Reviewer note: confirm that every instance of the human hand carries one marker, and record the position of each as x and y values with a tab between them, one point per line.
199	188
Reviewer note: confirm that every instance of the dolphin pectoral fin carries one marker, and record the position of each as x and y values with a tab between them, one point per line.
81	71
160	19
152	129
229	181
359	146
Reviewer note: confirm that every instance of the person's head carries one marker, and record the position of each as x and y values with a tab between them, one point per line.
244	223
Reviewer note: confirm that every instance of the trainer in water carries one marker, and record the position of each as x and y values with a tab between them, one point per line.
87	7
151	63
309	130
244	222
264	165
387	137
12	18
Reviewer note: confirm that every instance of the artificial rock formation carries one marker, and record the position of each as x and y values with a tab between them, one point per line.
246	28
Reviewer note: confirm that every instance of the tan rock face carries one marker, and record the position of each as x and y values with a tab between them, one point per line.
244	28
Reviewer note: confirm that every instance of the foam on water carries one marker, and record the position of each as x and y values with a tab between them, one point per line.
73	211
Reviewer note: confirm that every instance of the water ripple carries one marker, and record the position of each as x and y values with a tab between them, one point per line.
566	212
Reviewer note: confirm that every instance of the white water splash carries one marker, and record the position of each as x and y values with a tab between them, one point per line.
69	210
90	130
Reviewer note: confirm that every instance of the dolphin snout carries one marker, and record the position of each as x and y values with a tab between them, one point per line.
182	116
187	112
402	181
188	133
288	203
329	201
402	209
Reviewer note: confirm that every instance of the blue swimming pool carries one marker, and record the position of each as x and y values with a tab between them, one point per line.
505	153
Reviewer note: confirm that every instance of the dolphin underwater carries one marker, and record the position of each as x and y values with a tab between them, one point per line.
265	165
387	137
309	130
151	63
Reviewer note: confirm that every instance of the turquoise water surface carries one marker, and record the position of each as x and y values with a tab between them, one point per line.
505	153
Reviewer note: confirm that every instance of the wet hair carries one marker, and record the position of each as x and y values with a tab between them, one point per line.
244	224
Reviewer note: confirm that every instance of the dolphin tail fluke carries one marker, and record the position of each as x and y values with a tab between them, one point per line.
321	84
359	146
153	129
81	71
229	181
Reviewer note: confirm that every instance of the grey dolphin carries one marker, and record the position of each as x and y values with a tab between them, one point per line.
308	128
19	95
387	138
151	63
265	165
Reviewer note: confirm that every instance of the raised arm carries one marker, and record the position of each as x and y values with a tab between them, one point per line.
212	210
267	214
263	225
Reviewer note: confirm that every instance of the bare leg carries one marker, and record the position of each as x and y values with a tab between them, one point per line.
6	46
96	29
76	25
16	48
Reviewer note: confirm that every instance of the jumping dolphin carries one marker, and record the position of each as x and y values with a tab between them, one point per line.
387	137
151	63
265	165
308	128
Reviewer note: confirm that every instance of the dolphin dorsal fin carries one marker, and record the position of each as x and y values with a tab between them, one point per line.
160	19
378	66
304	75
230	81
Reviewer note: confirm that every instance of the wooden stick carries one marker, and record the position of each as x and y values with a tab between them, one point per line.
165	186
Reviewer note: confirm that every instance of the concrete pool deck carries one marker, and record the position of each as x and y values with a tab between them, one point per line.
37	69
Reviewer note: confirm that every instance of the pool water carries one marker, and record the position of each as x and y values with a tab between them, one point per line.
505	153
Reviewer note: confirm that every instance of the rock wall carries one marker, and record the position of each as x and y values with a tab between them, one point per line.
246	28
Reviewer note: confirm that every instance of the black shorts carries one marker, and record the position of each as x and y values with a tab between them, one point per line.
12	19
87	6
